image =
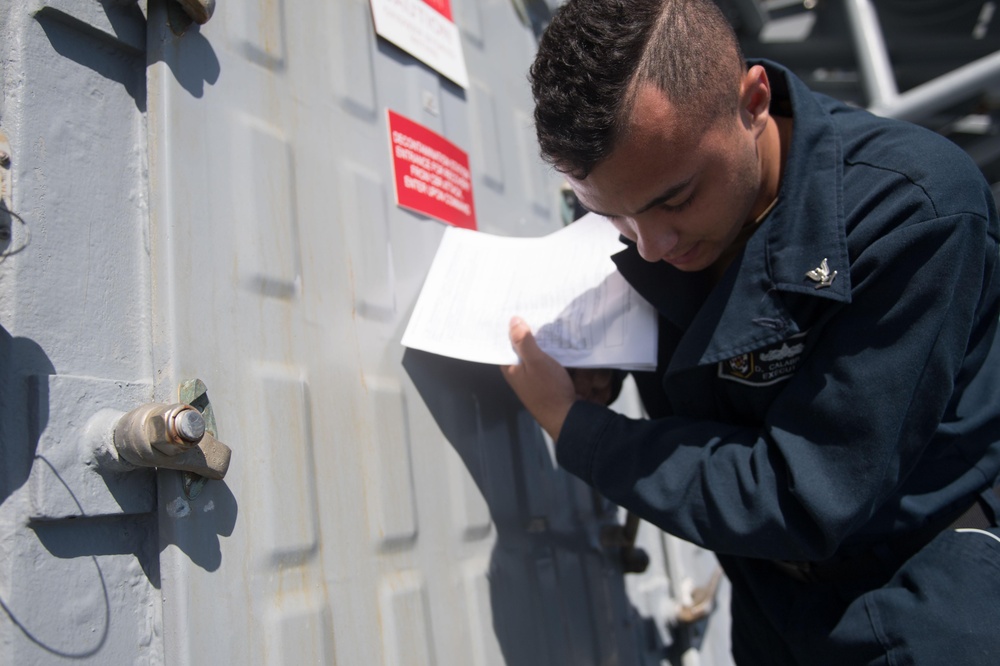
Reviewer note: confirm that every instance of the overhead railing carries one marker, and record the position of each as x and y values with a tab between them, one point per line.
922	101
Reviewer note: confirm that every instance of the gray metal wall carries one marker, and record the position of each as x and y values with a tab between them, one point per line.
79	573
218	205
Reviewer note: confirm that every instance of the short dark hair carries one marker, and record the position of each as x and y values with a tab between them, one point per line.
594	54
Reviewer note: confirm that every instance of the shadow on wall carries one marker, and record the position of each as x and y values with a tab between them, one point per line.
73	553
24	414
24	408
197	524
189	56
556	596
24	417
89	46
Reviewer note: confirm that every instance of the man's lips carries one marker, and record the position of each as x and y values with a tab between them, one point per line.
683	257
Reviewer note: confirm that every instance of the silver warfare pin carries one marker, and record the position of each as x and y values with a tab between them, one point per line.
822	275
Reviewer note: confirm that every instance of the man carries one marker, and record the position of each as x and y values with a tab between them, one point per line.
826	415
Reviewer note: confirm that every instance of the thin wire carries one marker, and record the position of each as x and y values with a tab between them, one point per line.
27	237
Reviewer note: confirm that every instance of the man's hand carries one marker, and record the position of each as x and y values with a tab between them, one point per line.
544	386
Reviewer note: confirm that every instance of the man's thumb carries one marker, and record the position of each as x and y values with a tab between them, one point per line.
522	340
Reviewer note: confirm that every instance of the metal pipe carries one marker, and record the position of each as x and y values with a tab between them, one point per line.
754	16
873	56
940	93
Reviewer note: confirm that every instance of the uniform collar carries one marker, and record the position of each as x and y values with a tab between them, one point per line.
746	309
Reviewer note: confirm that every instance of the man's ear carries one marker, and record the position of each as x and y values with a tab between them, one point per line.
755	99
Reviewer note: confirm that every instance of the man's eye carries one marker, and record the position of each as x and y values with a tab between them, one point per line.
673	208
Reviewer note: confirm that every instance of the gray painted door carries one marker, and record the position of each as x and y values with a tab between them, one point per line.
382	507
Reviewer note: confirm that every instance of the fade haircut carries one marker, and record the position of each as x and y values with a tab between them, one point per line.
596	54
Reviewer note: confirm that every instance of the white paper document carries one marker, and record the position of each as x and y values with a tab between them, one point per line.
581	310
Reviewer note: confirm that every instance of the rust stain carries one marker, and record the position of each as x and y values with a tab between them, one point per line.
270	11
353	286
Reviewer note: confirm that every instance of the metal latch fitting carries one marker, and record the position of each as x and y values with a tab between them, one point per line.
622	538
171	436
702	601
181	14
199	10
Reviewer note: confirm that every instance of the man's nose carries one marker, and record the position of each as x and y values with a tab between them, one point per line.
655	242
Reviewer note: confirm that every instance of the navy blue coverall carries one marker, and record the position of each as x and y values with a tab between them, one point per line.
834	398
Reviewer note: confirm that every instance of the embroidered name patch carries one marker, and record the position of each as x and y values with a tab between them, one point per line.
767	365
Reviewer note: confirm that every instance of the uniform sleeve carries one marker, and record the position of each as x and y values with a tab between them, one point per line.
848	427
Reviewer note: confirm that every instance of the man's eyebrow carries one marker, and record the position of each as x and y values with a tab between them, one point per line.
669	194
665	196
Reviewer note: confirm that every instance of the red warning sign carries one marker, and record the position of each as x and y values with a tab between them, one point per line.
442	6
431	174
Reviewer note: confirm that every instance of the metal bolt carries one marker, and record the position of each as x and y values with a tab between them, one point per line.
4	159
199	10
190	425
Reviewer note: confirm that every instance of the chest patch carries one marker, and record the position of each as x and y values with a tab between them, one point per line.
767	365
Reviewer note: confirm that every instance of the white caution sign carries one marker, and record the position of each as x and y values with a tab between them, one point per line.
424	29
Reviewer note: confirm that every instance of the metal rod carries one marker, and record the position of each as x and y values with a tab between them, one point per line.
873	56
944	91
753	14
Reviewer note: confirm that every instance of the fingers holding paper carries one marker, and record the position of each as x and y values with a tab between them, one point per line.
543	386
